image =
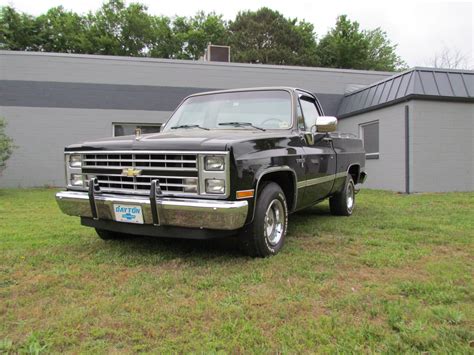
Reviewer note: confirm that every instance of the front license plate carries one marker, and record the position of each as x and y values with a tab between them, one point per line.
128	214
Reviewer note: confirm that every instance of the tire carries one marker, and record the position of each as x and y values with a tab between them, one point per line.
265	236
109	235
342	203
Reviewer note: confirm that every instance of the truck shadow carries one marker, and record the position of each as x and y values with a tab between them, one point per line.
317	210
150	250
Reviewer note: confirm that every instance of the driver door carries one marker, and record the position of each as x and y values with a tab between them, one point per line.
320	158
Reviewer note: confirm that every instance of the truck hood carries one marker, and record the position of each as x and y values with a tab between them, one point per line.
192	140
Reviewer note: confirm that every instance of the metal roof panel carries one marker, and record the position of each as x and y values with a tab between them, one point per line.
403	85
457	83
430	82
443	84
394	88
469	82
378	94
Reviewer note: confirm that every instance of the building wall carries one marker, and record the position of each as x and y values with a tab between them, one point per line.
441	146
52	100
442	141
40	135
388	171
49	67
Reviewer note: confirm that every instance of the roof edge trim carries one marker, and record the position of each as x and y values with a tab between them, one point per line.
408	98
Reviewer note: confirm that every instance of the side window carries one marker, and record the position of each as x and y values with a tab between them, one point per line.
369	132
299	117
310	112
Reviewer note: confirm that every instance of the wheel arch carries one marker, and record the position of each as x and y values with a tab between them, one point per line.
283	176
354	171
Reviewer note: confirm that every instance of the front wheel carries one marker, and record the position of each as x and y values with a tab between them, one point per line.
342	203
266	235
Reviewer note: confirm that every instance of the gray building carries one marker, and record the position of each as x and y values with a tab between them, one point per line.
52	100
418	130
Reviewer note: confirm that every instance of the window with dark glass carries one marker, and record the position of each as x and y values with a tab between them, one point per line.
369	132
126	129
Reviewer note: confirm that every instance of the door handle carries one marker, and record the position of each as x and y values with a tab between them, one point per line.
301	161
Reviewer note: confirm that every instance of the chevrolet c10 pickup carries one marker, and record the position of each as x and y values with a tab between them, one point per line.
226	163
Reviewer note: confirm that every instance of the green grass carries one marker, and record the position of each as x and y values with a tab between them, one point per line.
397	276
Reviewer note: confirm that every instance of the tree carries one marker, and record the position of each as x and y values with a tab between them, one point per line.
449	58
194	33
62	31
119	30
18	31
6	145
266	36
263	36
163	43
347	46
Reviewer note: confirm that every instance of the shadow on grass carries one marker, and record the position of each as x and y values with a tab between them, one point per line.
149	250
317	210
146	250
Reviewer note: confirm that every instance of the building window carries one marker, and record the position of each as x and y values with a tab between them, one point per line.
369	132
126	129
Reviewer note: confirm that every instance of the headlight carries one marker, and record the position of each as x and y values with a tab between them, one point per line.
215	186
77	180
75	160
191	185
214	163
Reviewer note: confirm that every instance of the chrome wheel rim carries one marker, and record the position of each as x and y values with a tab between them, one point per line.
274	222
350	196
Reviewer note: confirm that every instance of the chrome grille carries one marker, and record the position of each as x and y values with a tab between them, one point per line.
176	172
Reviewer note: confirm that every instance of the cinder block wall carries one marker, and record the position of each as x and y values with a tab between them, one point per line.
441	145
388	171
442	141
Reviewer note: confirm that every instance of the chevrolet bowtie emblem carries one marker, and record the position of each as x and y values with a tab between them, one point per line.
130	172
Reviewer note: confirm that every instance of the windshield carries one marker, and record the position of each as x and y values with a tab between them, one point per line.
234	110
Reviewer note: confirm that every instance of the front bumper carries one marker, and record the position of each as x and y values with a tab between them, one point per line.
178	212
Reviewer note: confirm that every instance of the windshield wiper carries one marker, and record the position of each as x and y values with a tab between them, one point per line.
241	124
190	126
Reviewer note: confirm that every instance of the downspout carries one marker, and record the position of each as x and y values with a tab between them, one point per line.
407	149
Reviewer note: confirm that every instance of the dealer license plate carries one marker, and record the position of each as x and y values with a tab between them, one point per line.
128	213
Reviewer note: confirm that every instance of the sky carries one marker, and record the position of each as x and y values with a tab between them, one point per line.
421	29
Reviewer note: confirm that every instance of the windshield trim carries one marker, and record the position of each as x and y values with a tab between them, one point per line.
217	92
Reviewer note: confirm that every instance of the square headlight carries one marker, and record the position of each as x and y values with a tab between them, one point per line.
215	186
77	180
75	160
214	163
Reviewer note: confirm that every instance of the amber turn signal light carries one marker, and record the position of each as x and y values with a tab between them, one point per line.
244	194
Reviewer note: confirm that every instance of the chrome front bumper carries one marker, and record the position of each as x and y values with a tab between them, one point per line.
179	212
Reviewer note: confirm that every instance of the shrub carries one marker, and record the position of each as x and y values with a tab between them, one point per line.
6	145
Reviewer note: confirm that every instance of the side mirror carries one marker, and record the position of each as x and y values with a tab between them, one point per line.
326	124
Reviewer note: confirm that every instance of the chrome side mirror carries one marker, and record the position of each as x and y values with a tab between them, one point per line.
326	124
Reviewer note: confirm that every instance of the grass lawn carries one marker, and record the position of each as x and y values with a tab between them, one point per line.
397	276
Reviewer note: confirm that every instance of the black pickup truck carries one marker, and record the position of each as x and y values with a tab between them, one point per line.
226	163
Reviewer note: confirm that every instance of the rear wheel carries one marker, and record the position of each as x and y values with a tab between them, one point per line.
266	235
109	235
342	203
